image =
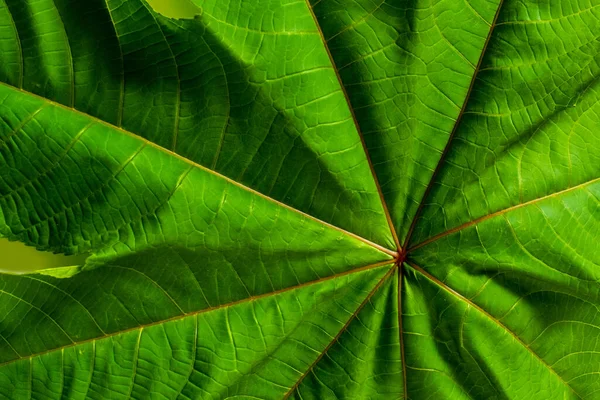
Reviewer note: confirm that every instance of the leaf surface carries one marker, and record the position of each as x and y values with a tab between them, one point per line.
302	199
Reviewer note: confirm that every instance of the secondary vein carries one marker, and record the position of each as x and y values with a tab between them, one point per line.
454	130
357	125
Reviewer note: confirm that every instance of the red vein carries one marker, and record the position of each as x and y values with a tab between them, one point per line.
203	311
400	329
492	318
430	186
454	128
356	124
500	212
207	170
335	339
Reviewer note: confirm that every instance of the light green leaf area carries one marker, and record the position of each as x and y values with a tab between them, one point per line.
20	258
301	199
175	9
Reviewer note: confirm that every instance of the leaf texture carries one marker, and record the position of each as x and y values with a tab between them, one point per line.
302	199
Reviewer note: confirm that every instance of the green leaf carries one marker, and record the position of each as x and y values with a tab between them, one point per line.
302	199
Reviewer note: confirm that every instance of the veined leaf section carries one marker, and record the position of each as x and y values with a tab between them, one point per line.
408	69
197	257
71	183
456	350
538	285
528	131
259	103
259	347
171	241
364	361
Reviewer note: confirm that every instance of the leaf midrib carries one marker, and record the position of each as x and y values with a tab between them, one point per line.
501	212
383	249
209	309
457	124
429	187
403	248
489	316
341	331
388	216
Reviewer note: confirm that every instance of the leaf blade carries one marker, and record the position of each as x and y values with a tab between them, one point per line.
379	44
316	298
